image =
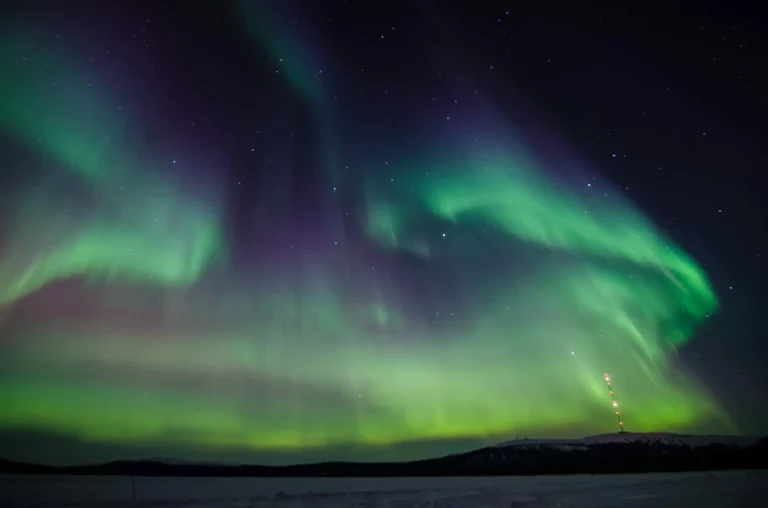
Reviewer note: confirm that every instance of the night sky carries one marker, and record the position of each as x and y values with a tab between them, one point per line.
288	231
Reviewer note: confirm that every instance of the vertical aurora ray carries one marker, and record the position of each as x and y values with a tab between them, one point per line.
300	58
476	297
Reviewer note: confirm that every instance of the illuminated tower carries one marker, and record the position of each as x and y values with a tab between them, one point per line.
613	400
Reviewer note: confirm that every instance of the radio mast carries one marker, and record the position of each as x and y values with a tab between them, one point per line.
613	401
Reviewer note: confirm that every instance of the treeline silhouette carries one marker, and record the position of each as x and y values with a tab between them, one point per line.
607	458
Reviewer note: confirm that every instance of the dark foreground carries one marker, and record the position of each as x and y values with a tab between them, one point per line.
657	490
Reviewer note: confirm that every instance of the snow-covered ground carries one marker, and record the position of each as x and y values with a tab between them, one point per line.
657	490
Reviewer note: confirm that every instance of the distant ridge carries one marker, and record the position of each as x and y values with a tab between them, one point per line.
624	452
183	462
669	438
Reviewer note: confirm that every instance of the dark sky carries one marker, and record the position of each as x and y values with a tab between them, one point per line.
280	104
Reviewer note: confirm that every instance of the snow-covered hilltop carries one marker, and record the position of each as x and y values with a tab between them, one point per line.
665	438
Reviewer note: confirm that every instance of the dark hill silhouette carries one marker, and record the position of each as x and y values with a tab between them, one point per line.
605	454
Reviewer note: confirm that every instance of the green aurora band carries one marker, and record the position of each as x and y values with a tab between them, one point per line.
162	345
127	235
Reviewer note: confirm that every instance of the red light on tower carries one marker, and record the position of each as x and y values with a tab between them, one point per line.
613	401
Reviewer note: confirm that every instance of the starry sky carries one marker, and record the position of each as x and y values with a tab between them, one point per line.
292	231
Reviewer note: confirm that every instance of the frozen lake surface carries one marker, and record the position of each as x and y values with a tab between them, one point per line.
657	490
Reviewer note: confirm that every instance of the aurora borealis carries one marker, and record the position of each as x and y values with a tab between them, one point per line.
335	285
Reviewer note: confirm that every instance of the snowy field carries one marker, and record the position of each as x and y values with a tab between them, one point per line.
658	490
